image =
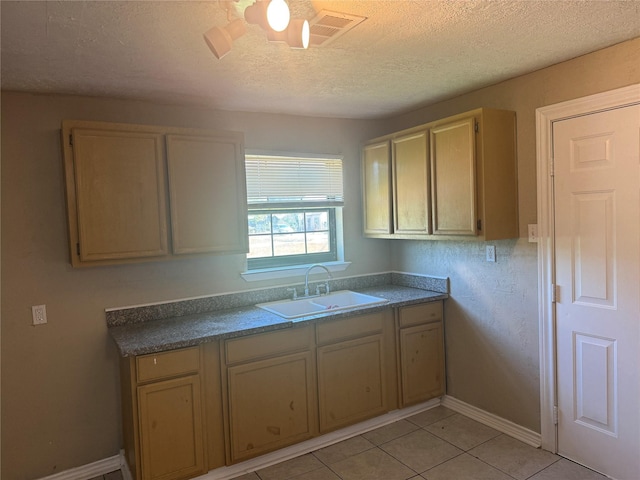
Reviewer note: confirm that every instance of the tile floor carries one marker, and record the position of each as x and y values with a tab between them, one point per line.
438	444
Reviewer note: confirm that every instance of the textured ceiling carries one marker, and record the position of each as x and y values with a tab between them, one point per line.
406	54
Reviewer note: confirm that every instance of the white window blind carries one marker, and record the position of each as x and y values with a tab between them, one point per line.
283	181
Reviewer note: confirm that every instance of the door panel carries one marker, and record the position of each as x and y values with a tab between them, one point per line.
376	171
453	178
411	184
597	255
120	194
270	404
351	382
208	194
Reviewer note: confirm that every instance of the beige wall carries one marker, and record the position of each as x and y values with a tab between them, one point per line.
60	382
60	398
492	315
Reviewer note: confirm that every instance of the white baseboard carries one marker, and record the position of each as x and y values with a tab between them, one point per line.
91	470
490	420
126	473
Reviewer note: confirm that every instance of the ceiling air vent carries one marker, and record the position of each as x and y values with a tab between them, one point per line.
327	26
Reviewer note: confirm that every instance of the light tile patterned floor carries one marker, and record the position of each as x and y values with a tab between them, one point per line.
438	444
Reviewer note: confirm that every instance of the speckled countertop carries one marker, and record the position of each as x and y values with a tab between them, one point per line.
148	336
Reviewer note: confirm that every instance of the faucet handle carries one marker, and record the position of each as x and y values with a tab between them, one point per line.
295	292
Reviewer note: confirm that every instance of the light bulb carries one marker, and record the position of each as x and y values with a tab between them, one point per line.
305	34
278	15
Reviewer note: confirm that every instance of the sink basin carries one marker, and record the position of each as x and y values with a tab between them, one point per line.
347	299
342	300
292	308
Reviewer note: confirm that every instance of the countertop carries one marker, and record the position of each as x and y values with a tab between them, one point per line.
190	330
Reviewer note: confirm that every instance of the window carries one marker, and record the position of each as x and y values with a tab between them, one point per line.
292	210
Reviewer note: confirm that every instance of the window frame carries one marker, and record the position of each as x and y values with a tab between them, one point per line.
284	261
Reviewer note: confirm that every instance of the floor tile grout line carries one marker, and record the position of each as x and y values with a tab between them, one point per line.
544	468
400	461
492	466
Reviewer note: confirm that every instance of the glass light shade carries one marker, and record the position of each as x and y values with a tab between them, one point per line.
278	15
305	34
296	35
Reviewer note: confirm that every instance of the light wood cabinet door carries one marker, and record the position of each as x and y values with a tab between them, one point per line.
207	194
271	404
453	178
421	363
171	429
411	200
351	382
376	179
118	206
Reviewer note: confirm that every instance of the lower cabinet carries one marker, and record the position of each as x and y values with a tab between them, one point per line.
191	410
351	370
171	429
421	353
270	392
164	432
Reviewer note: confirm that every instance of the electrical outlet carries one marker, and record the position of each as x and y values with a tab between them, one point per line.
491	253
533	233
39	314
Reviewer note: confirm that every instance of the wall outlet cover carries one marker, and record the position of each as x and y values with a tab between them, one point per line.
39	314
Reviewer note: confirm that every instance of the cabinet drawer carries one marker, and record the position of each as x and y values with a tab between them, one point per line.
267	344
167	364
352	327
422	313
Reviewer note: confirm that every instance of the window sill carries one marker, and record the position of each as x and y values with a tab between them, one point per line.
286	272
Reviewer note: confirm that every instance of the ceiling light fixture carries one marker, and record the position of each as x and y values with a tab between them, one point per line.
296	35
273	16
220	39
278	15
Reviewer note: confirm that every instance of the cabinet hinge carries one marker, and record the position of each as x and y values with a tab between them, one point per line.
555	414
78	248
551	167
554	292
71	140
479	225
476	127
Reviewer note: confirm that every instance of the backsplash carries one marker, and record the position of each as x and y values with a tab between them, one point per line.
179	308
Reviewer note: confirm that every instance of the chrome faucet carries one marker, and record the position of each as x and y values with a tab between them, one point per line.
306	279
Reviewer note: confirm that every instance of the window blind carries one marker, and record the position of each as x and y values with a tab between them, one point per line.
282	181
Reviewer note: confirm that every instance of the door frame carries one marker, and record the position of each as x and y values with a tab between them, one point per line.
545	118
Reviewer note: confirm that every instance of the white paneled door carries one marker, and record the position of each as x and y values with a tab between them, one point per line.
597	262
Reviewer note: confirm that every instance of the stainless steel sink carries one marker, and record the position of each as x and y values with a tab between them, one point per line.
342	300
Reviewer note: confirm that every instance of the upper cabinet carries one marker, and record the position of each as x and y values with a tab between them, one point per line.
207	193
453	169
451	179
410	175
376	178
116	197
139	192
